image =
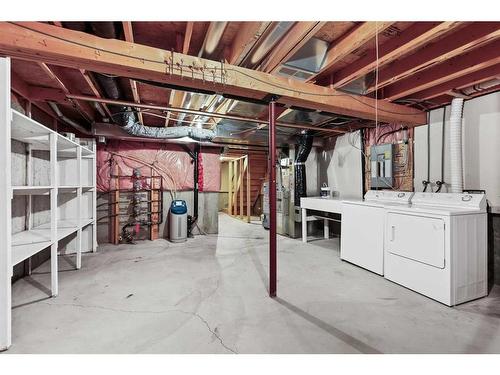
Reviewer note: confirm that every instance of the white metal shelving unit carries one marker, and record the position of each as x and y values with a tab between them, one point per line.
72	193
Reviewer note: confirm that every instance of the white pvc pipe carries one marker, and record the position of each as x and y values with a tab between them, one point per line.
456	162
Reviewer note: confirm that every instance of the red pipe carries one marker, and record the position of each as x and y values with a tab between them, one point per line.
272	200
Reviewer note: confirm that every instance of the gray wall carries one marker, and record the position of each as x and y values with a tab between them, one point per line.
481	150
340	165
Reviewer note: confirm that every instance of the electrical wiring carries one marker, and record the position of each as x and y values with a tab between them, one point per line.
382	136
223	69
161	171
366	157
377	126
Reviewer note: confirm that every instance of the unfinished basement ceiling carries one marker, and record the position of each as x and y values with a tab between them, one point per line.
329	53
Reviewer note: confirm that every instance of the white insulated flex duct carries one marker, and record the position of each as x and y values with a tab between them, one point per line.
134	128
456	162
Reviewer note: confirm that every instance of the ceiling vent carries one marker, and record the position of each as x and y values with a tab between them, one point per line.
307	61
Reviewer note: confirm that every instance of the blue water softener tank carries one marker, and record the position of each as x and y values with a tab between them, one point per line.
178	221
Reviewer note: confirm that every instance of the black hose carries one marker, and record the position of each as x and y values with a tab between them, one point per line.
305	142
427	182
390	132
195	178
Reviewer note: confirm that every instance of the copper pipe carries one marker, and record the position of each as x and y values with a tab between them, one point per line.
202	113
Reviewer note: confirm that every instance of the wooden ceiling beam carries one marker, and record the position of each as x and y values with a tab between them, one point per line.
21	88
460	82
84	108
452	45
470	62
128	32
244	40
187	37
349	43
42	42
408	41
89	80
177	97
295	38
41	94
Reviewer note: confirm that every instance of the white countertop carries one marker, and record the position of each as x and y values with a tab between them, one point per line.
322	204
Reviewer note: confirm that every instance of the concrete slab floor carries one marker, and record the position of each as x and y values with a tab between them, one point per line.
209	295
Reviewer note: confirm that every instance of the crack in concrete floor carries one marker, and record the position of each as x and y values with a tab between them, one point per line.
222	283
214	331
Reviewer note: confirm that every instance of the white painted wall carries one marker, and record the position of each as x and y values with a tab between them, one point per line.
481	147
312	169
340	166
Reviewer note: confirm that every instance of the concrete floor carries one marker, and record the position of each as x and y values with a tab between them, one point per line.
209	295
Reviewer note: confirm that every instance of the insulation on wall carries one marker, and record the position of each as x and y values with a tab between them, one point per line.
402	154
170	161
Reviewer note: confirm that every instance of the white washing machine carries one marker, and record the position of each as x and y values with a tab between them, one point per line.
362	229
438	246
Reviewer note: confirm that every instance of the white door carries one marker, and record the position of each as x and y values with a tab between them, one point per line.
362	236
418	238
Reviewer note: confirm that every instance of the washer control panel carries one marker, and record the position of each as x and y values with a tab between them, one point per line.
388	196
465	200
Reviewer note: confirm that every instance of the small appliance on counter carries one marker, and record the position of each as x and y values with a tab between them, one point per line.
325	191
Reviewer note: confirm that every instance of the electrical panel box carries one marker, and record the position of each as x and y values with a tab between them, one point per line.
381	166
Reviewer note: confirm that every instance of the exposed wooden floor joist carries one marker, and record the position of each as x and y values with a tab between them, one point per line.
37	41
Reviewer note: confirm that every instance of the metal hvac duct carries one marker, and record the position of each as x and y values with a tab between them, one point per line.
212	39
479	87
266	42
67	120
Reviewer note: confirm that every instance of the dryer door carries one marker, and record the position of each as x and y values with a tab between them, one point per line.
418	238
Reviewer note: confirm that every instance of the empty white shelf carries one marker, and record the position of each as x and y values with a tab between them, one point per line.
71	167
67	188
28	243
64	228
66	147
87	152
86	222
31	190
29	131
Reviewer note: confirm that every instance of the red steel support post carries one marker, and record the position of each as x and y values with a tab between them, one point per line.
272	199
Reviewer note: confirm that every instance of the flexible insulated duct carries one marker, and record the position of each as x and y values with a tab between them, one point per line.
456	163
136	129
304	148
